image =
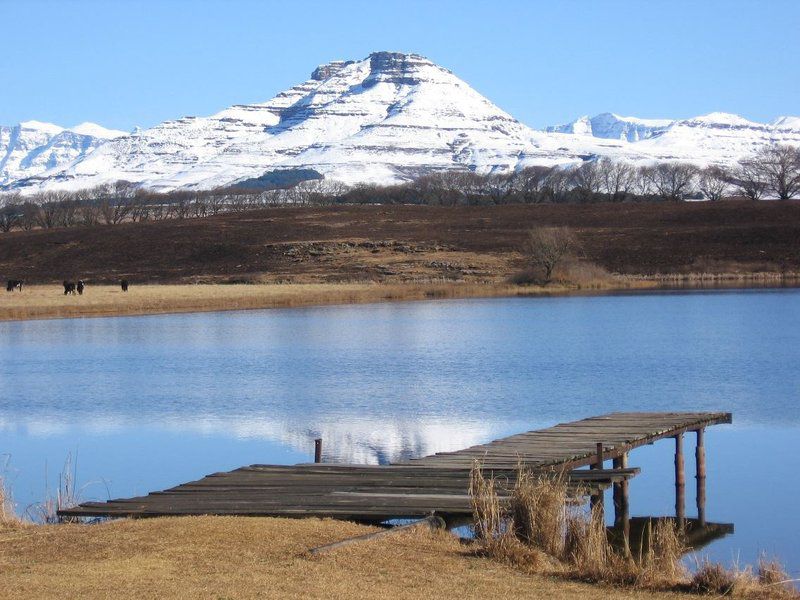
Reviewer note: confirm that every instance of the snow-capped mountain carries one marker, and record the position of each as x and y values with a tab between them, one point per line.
613	127
32	147
384	119
387	118
715	138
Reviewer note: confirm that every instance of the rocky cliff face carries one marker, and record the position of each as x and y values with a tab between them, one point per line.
384	119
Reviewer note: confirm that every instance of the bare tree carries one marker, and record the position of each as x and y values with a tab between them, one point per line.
497	187
781	166
10	212
671	181
640	181
617	178
587	179
89	213
46	214
529	183
557	185
546	247
713	182
116	201
750	179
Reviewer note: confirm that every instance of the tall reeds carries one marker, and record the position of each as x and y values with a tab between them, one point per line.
8	516
543	526
66	495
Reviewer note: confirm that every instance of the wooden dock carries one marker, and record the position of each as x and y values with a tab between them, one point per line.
433	484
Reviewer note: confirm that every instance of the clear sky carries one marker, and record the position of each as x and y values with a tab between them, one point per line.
125	63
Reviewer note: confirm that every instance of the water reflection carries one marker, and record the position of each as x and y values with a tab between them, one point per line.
695	536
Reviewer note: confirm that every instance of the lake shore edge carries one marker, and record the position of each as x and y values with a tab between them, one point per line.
253	555
41	301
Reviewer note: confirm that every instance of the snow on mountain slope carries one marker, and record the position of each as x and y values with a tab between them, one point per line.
614	127
384	119
716	138
787	123
33	147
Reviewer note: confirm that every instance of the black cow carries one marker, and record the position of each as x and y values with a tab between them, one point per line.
69	287
14	284
80	287
124	285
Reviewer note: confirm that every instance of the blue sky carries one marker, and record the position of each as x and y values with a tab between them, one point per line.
123	64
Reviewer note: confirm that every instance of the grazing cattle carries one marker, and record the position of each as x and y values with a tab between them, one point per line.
69	287
81	286
124	285
14	284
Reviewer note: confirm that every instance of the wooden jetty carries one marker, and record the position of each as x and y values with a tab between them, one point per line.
436	484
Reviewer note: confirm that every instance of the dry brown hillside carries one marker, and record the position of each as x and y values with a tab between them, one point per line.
401	243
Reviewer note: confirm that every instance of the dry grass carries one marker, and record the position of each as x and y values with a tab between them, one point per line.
239	557
66	496
8	518
769	581
48	301
539	530
584	275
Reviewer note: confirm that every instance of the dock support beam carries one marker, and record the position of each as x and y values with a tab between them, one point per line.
597	499
622	516
318	450
680	483
700	458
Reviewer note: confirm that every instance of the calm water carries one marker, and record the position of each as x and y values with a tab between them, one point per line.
147	402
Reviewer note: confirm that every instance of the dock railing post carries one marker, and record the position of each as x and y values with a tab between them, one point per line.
700	458
597	498
680	483
318	450
622	517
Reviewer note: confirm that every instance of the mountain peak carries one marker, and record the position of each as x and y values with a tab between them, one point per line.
97	131
612	126
722	118
323	72
49	128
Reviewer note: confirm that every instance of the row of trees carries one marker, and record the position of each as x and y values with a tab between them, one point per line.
774	171
119	202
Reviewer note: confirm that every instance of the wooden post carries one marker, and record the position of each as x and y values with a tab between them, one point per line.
318	450
622	517
700	457
680	483
596	500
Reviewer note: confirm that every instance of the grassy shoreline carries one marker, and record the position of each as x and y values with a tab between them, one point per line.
48	302
45	302
249	557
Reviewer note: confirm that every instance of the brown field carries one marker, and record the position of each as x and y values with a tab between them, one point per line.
399	244
242	557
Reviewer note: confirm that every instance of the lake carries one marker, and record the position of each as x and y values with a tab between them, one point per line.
144	403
